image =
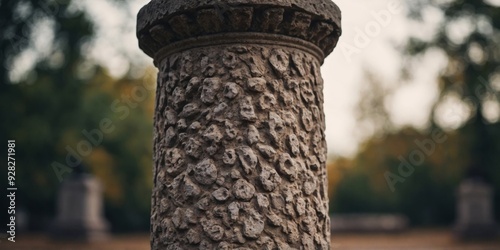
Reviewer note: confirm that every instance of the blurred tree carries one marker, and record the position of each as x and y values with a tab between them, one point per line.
41	106
47	106
425	192
398	170
469	36
372	116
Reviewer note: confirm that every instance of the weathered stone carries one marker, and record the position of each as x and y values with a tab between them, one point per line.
239	144
170	137
247	110
243	190
267	151
219	110
231	90
280	61
229	157
234	211
253	226
257	84
214	231
293	143
248	159
179	96
205	172
307	120
274	219
288	167
193	85
213	134
193	236
210	90
170	116
178	219
190	190
237	236
203	204
174	160
277	201
266	243
190	110
310	185
193	148
221	194
267	101
231	131
262	201
300	206
269	179
253	135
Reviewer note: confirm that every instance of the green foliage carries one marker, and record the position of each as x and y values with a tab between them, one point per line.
426	191
426	194
123	160
473	59
47	110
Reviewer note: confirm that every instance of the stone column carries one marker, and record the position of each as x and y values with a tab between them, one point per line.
239	144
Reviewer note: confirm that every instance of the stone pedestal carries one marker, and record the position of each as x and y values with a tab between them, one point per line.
475	211
239	144
79	210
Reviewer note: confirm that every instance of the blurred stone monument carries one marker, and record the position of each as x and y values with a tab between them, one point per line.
475	210
79	209
475	216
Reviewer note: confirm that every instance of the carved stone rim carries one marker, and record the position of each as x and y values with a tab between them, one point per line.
240	39
162	23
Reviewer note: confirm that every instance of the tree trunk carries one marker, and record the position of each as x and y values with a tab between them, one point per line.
239	145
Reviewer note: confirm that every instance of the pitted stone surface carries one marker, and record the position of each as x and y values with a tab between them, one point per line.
240	160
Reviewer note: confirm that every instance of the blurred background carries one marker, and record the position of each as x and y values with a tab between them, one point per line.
412	107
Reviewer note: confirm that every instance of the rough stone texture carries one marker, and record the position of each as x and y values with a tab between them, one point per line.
237	166
239	145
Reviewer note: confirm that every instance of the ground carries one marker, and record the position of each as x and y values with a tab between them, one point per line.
410	240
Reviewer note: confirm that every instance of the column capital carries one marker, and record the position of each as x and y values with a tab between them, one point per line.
162	23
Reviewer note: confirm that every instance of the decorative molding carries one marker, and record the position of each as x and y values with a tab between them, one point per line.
240	39
162	23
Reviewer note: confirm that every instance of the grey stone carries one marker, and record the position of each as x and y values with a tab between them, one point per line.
79	211
205	172
243	190
240	150
475	214
214	15
221	194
